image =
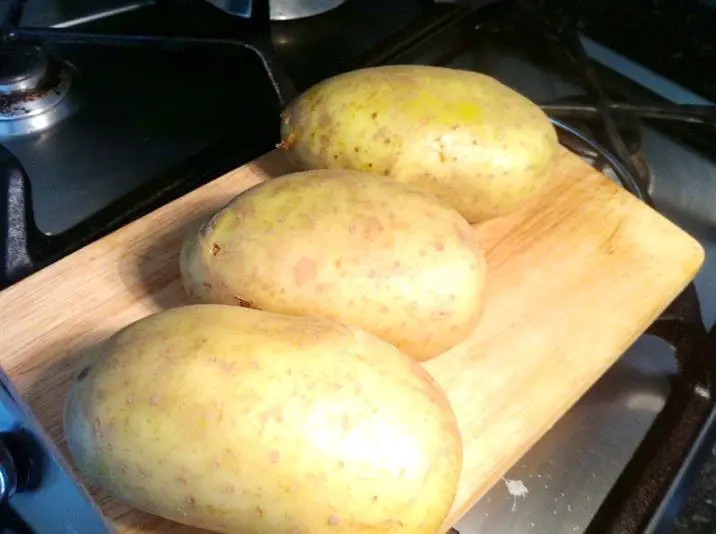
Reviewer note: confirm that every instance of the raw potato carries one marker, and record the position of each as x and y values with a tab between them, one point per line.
463	136
347	246
246	422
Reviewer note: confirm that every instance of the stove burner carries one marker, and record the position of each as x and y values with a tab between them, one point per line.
22	68
629	128
34	90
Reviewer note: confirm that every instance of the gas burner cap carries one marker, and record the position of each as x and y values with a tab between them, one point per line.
34	90
22	68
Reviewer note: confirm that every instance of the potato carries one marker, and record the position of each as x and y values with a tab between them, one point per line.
463	136
242	421
346	246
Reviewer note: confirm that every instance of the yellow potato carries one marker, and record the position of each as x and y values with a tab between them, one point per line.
347	246
242	421
463	136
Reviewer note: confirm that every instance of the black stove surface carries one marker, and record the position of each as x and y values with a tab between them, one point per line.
151	123
140	114
674	38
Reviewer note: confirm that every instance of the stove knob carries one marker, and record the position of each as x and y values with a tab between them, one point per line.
16	466
8	473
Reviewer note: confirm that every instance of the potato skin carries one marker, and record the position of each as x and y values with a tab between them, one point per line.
241	421
347	246
463	136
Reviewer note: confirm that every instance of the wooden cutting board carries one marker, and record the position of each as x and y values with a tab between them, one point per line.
574	279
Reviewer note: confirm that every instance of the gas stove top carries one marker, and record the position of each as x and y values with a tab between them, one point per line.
119	107
109	117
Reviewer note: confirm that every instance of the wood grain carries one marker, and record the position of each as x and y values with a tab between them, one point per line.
574	279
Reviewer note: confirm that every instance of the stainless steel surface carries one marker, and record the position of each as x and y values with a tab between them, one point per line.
21	118
280	9
37	102
569	472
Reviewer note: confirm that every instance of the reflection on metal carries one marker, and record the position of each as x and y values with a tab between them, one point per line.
641	75
102	14
34	90
572	468
280	9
